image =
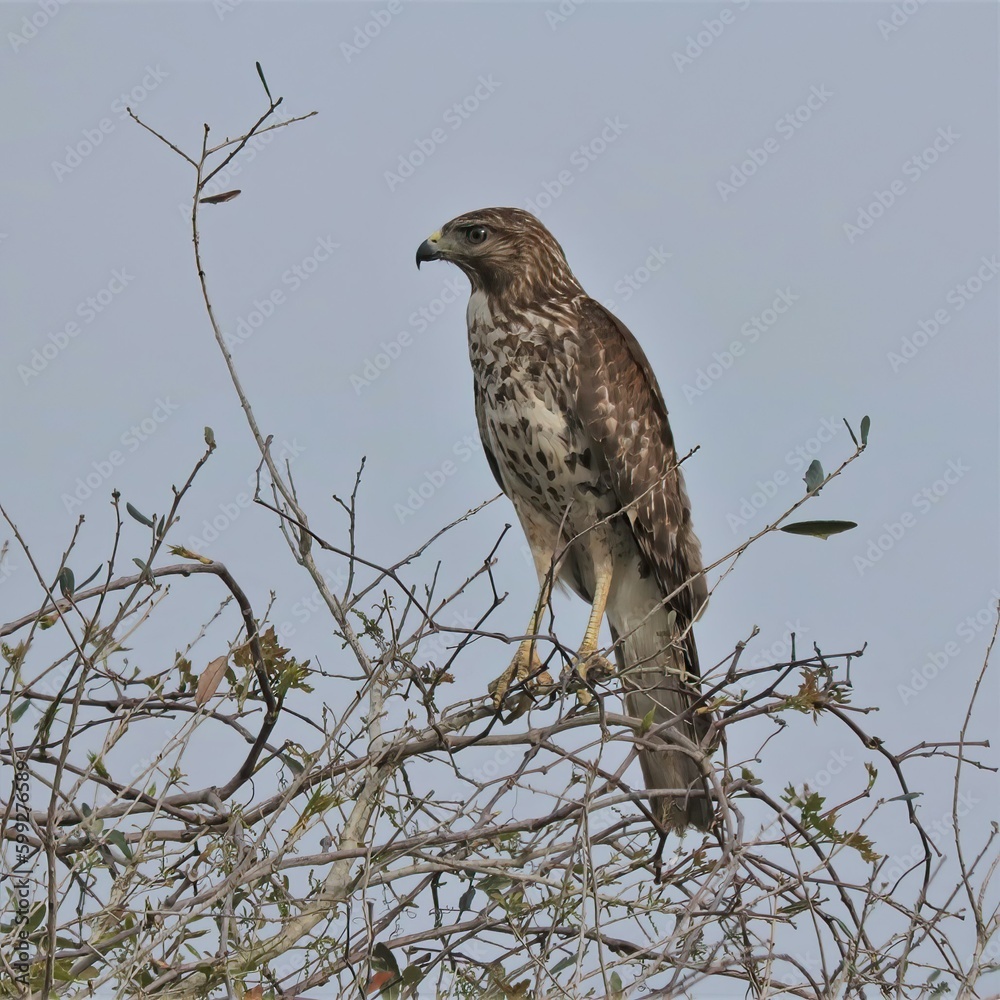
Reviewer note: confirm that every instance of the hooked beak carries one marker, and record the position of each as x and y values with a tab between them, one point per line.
428	250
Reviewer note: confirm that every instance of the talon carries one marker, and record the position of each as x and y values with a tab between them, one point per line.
584	668
526	668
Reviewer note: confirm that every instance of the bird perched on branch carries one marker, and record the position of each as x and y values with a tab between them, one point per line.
575	431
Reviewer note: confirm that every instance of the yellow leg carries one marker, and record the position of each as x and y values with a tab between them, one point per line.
526	662
588	659
603	586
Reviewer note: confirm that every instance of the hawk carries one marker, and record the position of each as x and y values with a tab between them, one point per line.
575	431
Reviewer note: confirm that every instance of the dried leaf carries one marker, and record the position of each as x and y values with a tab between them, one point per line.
179	550
379	980
211	678
218	199
819	529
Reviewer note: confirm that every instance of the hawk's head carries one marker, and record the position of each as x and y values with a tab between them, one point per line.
501	250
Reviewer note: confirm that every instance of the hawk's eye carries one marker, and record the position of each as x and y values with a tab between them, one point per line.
477	234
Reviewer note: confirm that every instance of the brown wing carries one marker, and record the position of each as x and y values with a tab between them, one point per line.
623	410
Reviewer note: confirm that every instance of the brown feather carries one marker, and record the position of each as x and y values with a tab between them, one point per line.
576	432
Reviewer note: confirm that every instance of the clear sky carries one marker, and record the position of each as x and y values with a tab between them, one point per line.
793	206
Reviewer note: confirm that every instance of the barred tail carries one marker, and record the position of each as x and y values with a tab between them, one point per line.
654	663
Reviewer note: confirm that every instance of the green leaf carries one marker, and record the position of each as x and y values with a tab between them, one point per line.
494	886
383	959
67	582
20	710
98	765
412	975
866	423
36	917
117	838
386	969
267	91
647	721
908	797
819	529
292	764
210	437
148	577
62	971
850	431
615	982
91	577
814	475
138	515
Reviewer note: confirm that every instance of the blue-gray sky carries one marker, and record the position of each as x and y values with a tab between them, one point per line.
813	183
